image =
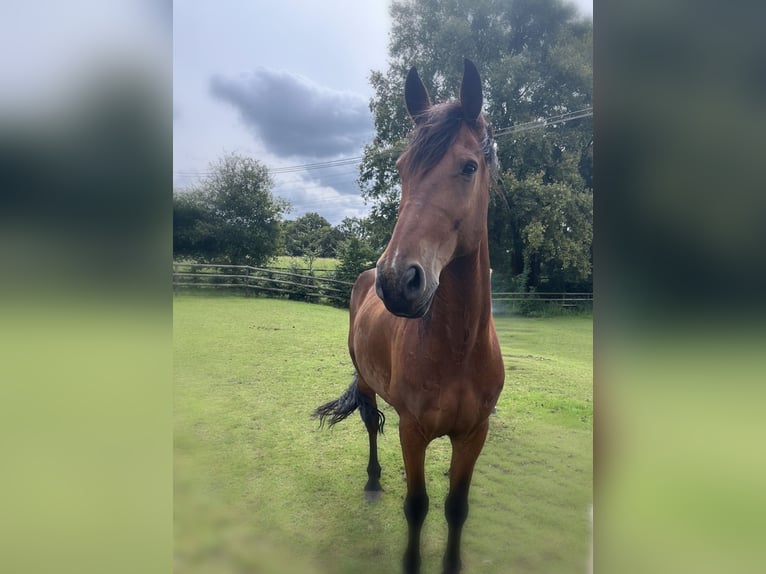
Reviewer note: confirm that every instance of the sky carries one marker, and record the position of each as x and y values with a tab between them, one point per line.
285	82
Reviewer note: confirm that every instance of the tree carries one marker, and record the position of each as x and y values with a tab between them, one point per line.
353	227
355	252
359	228
193	226
310	235
354	256
232	217
555	232
535	59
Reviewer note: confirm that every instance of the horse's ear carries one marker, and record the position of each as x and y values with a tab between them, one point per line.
415	95
470	91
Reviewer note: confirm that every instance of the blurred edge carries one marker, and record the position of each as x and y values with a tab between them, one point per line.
86	406
680	111
85	299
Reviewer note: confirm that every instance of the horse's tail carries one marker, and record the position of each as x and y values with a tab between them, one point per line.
346	404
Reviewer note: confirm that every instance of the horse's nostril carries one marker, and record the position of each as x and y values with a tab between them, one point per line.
413	282
412	279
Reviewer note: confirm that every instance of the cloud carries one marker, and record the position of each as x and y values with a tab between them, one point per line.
325	200
333	192
296	118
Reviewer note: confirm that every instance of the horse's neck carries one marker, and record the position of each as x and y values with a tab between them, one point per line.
463	305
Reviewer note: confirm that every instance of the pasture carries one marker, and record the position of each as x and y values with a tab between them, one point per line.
260	488
319	264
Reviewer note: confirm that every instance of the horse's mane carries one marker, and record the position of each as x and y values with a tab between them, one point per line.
436	130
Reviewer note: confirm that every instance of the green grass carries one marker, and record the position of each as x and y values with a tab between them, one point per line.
320	263
259	488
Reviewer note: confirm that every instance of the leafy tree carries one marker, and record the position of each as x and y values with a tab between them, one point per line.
232	217
556	232
353	227
310	235
193	226
354	256
535	59
367	230
355	253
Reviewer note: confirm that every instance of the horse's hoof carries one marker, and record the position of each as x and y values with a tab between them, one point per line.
372	495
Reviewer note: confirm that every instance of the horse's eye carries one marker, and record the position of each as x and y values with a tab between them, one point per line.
469	168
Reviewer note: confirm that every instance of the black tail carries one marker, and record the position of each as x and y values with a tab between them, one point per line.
346	404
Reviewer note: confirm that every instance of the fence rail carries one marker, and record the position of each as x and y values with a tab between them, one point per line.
563	299
314	286
318	286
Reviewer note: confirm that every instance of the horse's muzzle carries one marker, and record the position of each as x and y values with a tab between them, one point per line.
406	292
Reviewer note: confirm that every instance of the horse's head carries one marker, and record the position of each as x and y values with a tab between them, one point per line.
445	176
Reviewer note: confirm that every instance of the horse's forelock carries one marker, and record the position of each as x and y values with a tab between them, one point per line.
436	131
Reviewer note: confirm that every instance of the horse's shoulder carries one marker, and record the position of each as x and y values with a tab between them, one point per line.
365	280
363	286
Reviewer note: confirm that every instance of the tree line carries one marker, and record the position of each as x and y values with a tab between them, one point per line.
233	217
535	59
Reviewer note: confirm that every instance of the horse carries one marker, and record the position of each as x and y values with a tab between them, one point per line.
421	332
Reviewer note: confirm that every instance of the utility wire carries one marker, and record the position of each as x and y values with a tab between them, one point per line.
551	121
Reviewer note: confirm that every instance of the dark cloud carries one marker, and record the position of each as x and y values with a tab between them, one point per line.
295	117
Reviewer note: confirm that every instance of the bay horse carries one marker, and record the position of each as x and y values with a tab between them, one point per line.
421	332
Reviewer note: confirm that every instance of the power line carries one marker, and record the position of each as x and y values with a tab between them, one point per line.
399	146
545	122
291	168
318	165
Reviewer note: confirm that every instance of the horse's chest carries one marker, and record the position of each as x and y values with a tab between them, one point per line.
446	401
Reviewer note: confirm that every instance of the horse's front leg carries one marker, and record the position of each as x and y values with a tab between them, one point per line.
465	451
416	501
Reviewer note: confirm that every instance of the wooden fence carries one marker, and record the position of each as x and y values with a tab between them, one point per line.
319	286
315	287
563	299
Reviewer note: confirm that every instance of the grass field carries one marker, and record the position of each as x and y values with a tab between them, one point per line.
260	489
319	264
